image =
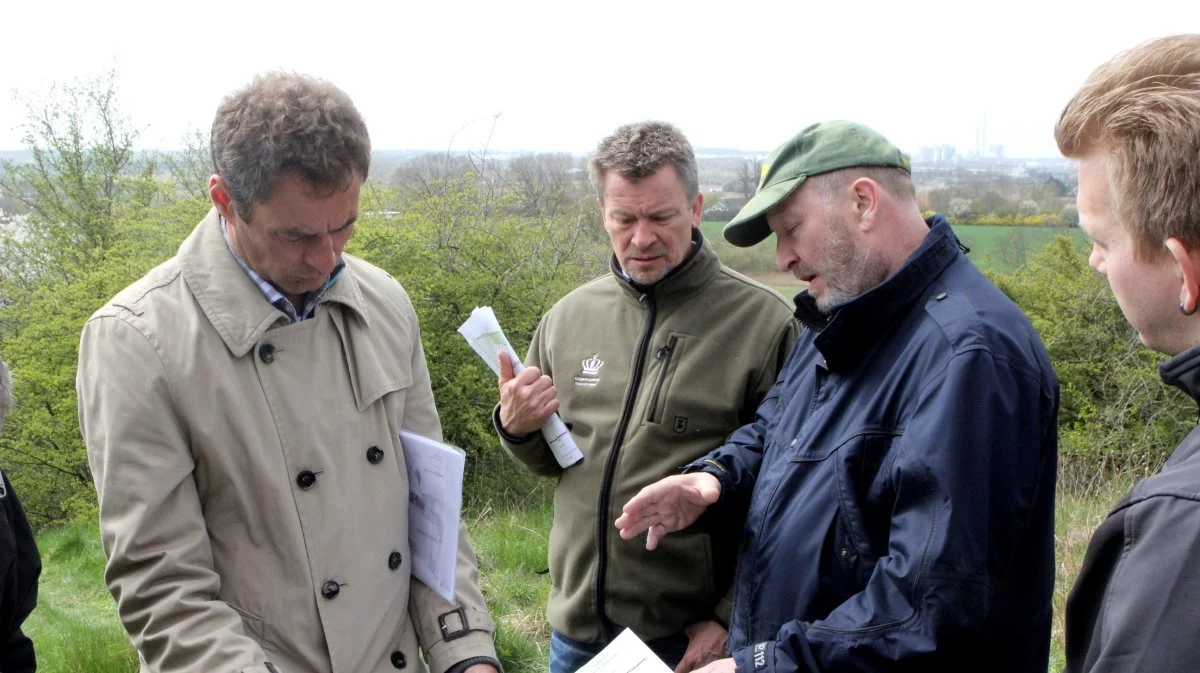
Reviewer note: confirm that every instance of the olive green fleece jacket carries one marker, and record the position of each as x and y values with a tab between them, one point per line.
648	379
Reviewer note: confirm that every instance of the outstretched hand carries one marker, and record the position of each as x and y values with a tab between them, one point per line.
527	400
668	505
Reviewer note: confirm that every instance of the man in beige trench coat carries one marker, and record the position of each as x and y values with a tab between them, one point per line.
240	406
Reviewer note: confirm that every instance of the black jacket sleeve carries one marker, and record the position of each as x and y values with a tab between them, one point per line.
20	566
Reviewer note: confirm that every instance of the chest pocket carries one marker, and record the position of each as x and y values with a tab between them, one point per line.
666	358
858	472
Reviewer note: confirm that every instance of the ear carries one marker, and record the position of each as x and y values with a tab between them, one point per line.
1188	260
221	199
864	201
698	210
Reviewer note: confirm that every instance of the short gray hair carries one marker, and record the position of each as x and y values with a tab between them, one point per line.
896	181
637	150
6	400
285	122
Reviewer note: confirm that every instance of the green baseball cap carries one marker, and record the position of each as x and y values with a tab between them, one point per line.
820	148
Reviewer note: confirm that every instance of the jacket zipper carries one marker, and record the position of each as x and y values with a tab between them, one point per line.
665	353
602	522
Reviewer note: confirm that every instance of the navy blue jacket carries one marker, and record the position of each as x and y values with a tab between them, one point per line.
898	484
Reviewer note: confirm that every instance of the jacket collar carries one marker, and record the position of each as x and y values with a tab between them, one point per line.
1183	372
692	274
229	299
853	327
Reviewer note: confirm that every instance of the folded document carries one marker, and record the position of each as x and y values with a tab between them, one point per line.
435	479
483	332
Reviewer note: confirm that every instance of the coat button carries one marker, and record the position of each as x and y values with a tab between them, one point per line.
306	479
398	659
374	455
394	560
266	353
330	590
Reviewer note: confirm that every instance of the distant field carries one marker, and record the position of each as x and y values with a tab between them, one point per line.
1006	248
992	247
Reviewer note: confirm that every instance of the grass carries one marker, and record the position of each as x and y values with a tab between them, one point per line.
1078	511
75	627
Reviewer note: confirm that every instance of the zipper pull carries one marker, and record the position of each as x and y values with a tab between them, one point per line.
662	352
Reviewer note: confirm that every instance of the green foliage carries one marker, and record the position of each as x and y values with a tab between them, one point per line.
457	246
96	222
82	177
1115	414
41	324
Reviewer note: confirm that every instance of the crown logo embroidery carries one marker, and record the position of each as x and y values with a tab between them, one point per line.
593	364
590	376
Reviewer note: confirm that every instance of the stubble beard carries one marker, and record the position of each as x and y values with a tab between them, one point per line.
853	268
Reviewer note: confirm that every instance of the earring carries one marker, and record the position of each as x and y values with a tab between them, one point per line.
1183	309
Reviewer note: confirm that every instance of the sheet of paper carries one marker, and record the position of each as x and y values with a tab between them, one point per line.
435	479
482	331
626	654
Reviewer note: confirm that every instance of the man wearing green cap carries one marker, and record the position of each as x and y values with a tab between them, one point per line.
898	481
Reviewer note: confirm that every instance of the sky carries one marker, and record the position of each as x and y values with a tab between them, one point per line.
547	76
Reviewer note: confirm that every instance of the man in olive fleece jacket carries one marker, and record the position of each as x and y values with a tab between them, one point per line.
651	366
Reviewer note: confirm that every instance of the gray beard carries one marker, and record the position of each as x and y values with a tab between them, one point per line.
854	269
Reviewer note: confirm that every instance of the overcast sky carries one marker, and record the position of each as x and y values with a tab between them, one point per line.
431	74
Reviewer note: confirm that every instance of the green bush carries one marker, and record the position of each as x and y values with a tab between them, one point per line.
1116	414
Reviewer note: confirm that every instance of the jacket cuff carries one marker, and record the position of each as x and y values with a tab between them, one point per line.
504	434
467	663
456	636
757	658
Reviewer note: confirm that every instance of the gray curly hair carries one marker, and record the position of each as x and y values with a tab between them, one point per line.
635	151
283	122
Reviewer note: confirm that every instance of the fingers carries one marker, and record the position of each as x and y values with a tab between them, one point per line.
629	526
653	535
506	367
527	400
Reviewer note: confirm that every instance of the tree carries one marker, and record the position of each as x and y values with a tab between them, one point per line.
191	166
95	224
83	170
748	175
463	247
542	184
431	174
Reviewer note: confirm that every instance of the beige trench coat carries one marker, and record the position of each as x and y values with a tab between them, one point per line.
253	491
